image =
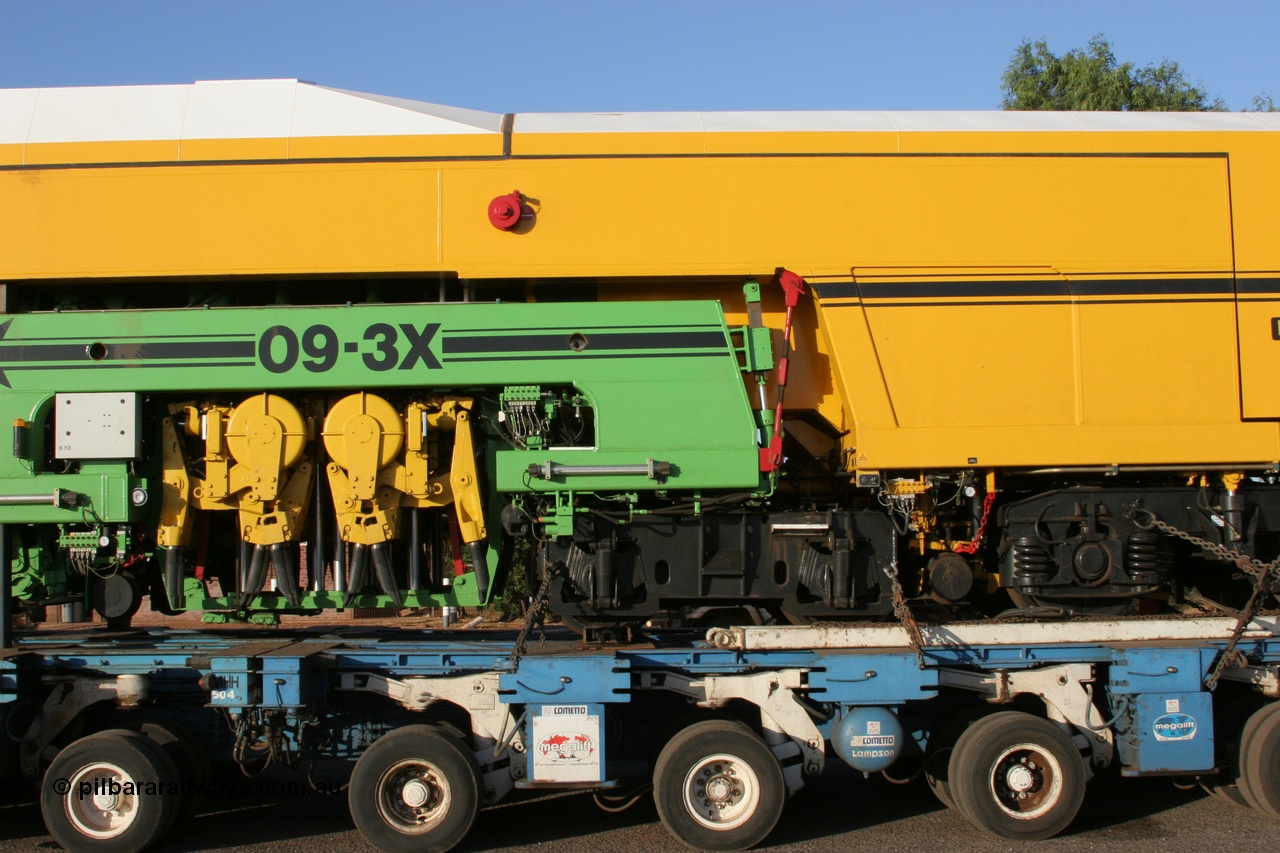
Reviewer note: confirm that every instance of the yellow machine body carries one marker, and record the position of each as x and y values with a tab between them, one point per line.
988	290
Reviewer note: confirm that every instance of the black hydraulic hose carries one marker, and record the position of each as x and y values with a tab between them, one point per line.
173	578
480	562
286	565
359	563
317	548
415	549
385	573
257	575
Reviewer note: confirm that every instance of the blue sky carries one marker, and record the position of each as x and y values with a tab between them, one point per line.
544	55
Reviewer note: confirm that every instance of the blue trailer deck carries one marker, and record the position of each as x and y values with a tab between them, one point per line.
1007	721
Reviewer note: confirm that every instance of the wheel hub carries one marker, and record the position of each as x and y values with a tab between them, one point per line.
722	790
1020	779
109	811
415	794
1026	781
106	802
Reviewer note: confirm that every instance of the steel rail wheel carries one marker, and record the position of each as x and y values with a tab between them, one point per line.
1260	760
718	786
1017	776
416	789
110	792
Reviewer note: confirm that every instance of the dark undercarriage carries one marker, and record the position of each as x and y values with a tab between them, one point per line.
1080	550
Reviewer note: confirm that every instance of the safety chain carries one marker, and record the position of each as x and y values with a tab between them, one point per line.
972	547
535	614
1263	574
903	612
1240	560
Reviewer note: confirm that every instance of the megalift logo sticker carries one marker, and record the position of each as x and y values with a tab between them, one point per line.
566	746
1174	727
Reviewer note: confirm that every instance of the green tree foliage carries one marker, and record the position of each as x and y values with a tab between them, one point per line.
1263	104
1092	79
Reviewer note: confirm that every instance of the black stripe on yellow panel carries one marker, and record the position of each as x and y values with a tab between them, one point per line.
1258	285
1026	288
1033	303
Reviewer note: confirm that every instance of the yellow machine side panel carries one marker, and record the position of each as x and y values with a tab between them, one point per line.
145	151
1022	373
1156	362
193	220
1121	349
974	365
819	142
164	151
1255	186
1258	321
616	217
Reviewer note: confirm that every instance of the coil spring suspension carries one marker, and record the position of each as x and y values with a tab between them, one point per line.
1032	564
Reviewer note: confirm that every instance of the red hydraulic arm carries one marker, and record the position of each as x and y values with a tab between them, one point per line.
792	289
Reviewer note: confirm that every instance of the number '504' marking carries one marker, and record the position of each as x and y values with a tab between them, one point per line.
279	347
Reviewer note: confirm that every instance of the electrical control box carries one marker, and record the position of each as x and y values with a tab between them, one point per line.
97	426
1167	733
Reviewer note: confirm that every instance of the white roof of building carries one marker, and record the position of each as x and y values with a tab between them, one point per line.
238	109
247	109
891	121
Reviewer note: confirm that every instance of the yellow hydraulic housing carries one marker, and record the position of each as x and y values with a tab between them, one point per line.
364	435
254	463
382	461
